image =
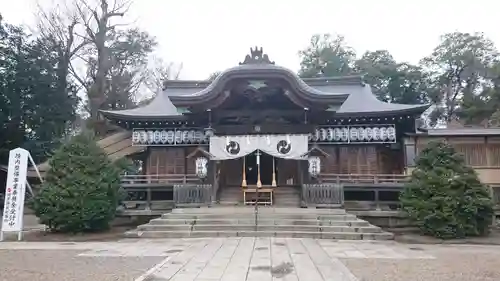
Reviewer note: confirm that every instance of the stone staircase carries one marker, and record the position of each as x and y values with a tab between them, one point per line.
271	221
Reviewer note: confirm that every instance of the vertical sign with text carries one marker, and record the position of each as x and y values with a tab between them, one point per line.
12	220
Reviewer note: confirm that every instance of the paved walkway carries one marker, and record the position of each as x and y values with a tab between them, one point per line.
234	259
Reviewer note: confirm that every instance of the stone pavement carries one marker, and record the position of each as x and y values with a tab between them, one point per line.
246	258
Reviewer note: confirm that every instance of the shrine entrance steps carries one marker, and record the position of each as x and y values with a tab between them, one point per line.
269	222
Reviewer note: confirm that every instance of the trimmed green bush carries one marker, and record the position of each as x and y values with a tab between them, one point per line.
81	190
445	197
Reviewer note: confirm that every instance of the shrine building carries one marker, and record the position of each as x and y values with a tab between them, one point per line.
259	133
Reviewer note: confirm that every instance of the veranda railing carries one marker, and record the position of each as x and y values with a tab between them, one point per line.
138	180
180	190
364	178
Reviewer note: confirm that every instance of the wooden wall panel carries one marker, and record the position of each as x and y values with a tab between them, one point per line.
474	154
493	152
330	165
190	162
362	159
478	151
358	159
166	161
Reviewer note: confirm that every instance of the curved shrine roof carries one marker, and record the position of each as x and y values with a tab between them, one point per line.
346	96
159	108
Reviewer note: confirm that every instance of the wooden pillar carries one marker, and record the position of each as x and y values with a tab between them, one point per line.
215	180
244	174
274	173
259	183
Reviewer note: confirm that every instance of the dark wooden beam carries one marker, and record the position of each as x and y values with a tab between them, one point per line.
269	113
263	129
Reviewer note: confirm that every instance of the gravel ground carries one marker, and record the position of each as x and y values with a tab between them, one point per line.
452	263
65	265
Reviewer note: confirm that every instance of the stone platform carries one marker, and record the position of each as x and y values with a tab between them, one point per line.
266	222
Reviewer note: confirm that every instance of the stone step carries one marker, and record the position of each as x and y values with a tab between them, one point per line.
271	221
249	227
252	233
262	210
231	221
229	203
261	217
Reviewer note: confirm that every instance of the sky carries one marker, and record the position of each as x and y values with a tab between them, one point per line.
212	35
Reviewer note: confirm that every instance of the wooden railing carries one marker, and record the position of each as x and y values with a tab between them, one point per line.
156	192
144	180
331	190
140	198
364	178
376	201
323	195
192	194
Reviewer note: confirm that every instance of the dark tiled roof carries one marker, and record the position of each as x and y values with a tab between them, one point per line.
357	97
466	131
157	109
365	103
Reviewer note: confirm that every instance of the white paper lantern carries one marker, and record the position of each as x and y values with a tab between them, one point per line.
383	133
362	134
391	133
369	134
157	137
164	136
322	134
376	134
314	165
345	134
329	134
144	137
198	137
354	134
178	136
170	137
191	135
136	137
317	135
151	136
185	136
201	167
337	134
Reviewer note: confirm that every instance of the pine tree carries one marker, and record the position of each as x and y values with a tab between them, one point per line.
81	190
445	197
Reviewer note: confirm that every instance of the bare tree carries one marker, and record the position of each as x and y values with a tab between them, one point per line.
57	28
159	72
108	59
97	25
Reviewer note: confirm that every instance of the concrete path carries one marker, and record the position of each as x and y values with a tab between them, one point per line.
233	259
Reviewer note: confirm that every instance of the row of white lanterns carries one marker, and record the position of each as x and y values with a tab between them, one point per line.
325	134
354	134
168	137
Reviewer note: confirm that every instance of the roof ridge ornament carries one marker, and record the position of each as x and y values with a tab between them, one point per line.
257	56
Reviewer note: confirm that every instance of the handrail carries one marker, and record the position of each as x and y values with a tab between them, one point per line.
363	178
169	179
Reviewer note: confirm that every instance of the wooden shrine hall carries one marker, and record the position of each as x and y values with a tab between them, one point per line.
259	133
